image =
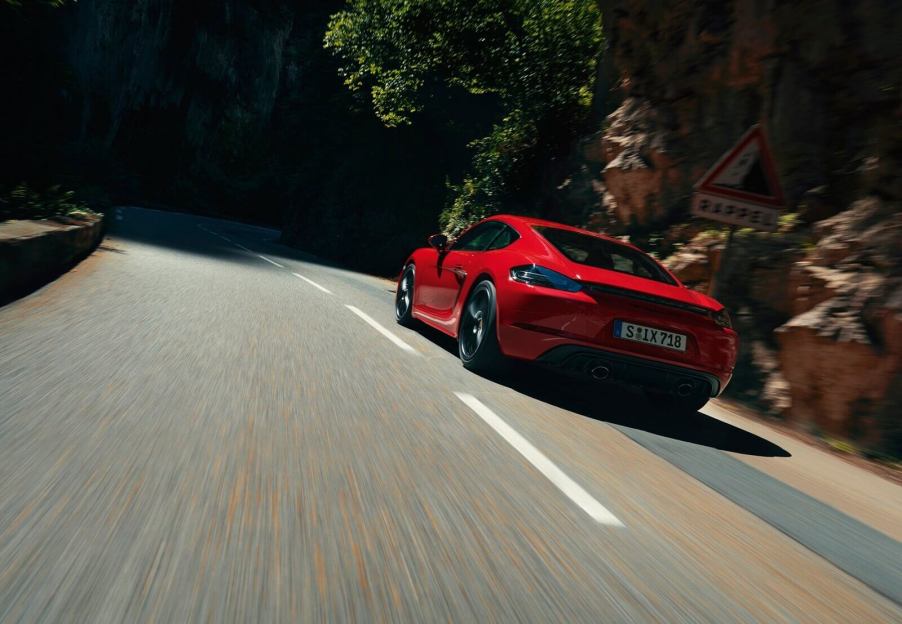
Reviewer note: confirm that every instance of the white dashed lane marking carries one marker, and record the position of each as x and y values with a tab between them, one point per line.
379	328
312	283
273	262
565	484
367	318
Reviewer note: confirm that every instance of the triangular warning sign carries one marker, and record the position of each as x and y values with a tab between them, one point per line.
746	172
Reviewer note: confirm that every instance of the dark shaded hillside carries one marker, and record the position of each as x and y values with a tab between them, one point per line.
231	108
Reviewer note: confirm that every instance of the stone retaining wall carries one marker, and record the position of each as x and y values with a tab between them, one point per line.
34	252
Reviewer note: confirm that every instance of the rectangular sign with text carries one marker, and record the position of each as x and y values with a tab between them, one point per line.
735	212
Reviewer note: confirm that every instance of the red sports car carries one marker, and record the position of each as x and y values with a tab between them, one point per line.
575	300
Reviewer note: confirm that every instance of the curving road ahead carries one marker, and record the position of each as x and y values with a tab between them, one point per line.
198	424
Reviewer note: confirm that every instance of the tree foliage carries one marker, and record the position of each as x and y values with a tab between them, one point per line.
25	202
537	57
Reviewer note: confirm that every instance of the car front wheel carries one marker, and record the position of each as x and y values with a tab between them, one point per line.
404	296
477	339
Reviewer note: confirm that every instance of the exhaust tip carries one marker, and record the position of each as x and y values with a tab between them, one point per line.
601	372
684	389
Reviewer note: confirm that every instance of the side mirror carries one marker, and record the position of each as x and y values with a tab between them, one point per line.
439	241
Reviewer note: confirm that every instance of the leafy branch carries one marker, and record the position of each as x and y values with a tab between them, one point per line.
537	57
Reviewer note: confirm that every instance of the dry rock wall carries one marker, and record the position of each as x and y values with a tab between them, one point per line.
818	303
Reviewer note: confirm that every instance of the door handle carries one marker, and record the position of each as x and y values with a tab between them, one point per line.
458	270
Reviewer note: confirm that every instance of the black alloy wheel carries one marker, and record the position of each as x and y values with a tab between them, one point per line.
476	337
404	297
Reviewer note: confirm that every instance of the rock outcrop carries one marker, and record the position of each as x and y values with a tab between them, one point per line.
822	76
842	352
816	303
820	313
641	176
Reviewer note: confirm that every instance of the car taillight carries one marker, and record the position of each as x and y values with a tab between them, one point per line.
536	275
722	318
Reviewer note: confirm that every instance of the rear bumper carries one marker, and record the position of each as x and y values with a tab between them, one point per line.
534	322
630	370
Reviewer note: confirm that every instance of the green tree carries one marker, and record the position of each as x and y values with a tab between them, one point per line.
537	57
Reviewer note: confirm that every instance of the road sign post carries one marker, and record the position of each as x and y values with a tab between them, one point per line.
741	190
718	277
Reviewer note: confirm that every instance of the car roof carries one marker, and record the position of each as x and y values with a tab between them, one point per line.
529	222
534	221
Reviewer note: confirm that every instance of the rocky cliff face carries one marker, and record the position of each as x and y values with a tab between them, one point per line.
841	353
819	309
215	64
189	102
823	76
817	302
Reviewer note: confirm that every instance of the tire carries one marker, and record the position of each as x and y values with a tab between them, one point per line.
404	297
678	406
477	340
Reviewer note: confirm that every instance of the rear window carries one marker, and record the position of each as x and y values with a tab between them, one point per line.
602	254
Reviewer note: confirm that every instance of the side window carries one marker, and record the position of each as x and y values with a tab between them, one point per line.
623	264
505	237
477	238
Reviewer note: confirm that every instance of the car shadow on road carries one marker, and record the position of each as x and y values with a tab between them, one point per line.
438	338
618	406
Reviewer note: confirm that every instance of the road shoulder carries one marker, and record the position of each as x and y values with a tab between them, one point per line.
855	491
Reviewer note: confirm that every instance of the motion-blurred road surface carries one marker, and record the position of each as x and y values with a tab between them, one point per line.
198	424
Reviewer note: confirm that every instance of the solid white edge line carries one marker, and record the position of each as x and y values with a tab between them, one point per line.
273	262
565	484
375	325
243	247
312	283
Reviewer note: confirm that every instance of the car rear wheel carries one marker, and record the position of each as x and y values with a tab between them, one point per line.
477	339
404	296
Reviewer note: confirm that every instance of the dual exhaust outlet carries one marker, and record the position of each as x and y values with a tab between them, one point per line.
602	372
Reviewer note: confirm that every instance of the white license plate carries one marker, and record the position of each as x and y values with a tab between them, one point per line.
647	335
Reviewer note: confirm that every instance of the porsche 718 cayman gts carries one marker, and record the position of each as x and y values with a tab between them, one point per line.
581	302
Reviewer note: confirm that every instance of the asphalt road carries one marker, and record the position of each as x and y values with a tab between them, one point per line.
198	424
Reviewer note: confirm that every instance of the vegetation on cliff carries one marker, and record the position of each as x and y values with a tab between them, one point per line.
537	57
23	202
